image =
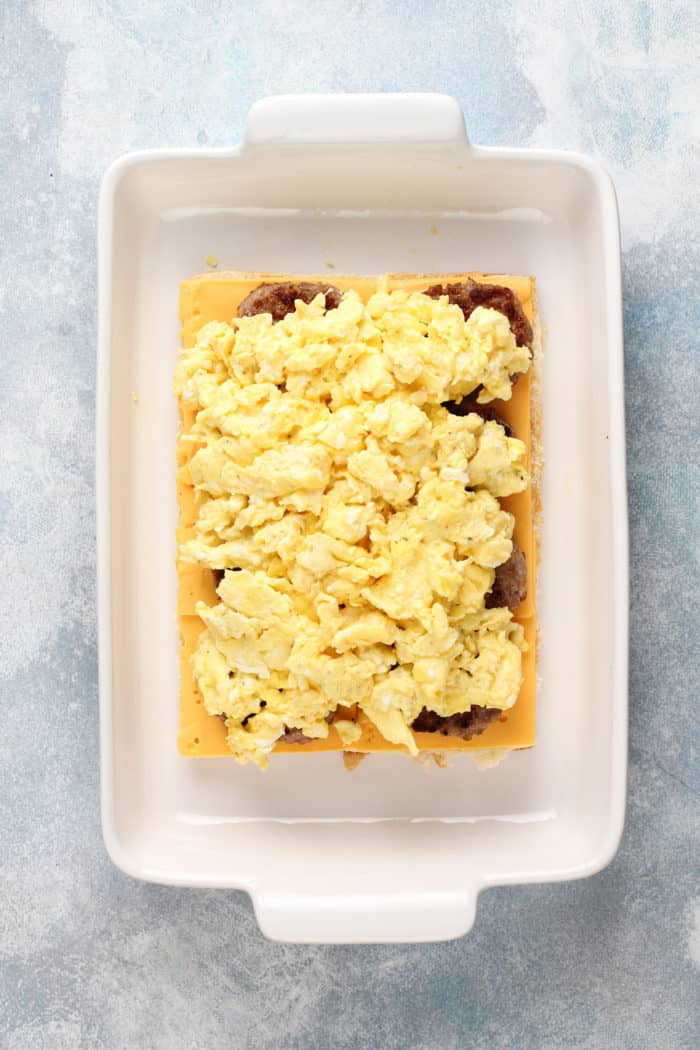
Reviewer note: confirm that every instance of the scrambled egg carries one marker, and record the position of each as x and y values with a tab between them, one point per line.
356	518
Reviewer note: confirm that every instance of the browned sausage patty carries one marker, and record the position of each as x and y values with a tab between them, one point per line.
470	404
466	724
510	585
469	294
298	736
294	736
279	299
289	736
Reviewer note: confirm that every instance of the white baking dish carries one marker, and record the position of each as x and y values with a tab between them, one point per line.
391	852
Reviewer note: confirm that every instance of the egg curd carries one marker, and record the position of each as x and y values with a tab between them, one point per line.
357	521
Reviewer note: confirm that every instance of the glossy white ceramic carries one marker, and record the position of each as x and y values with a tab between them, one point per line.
392	852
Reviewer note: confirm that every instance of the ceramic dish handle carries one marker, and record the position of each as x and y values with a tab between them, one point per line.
366	919
351	119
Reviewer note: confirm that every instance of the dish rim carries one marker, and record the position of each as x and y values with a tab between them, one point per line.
605	193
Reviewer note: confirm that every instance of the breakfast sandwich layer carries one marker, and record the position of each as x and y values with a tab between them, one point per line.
346	489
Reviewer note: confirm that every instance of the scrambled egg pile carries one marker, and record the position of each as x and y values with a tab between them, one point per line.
356	518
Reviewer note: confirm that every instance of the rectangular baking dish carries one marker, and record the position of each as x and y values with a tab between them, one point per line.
392	852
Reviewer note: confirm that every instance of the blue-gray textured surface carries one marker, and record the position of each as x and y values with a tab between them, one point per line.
91	959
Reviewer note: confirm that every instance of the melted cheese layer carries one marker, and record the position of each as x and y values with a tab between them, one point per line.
341	498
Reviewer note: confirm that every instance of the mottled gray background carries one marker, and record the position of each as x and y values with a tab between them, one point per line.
92	959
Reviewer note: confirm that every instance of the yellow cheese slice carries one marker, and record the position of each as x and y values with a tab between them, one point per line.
215	297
